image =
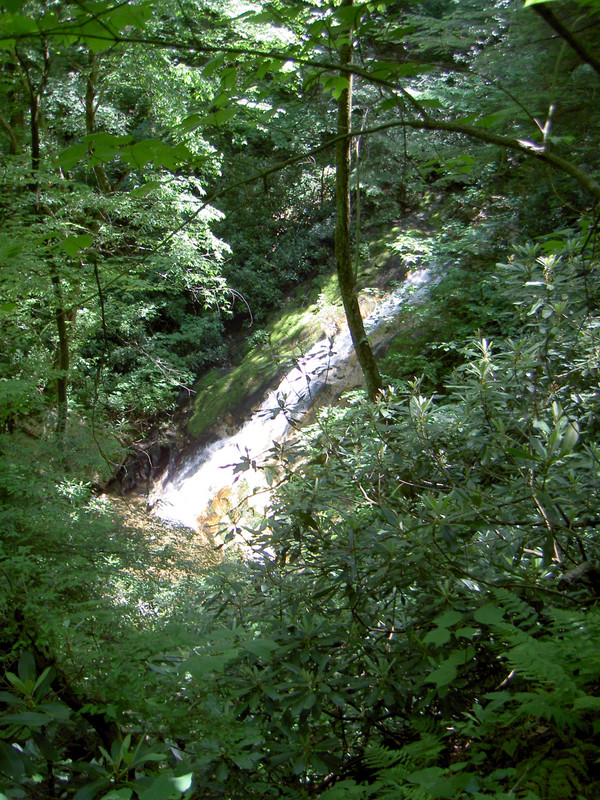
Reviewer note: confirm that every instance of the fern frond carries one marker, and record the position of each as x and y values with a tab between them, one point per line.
563	777
520	612
545	705
379	757
537	661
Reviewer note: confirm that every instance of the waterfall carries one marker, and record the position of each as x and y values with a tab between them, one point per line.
184	495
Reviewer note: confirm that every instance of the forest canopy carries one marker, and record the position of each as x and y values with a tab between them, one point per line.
191	193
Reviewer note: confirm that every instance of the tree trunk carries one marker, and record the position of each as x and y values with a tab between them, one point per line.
343	252
62	354
90	118
61	313
12	137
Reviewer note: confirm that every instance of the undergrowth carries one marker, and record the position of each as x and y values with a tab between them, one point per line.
421	620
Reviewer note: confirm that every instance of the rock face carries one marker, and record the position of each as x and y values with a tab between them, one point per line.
228	467
142	468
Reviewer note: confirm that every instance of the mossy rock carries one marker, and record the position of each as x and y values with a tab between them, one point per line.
308	315
234	392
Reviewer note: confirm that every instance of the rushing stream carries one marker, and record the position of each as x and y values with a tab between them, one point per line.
183	495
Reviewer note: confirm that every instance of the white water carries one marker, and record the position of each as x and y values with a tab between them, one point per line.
184	495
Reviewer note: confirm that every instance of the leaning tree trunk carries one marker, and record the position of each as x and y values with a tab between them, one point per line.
343	251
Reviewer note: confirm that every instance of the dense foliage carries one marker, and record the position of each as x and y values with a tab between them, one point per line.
421	618
428	626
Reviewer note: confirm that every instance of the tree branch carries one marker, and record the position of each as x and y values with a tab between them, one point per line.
524	146
576	44
14	144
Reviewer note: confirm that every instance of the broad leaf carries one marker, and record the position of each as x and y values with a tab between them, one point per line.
73	244
168	787
261	647
33	719
489	614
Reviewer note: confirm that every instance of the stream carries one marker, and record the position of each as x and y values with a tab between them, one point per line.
185	493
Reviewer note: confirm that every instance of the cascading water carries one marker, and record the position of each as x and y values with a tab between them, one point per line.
183	495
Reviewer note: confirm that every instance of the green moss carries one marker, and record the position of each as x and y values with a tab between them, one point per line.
307	316
408	245
266	358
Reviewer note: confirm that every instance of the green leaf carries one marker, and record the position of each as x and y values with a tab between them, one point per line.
337	699
509	747
570	439
147	151
127	15
261	647
11	251
222	99
390	516
12	761
340	84
16	682
32	719
489	614
168	787
43	682
307	519
383	70
142	153
118	794
348	16
26	667
98	45
220	117
443	675
58	711
13	5
73	244
192	122
553	246
466	633
145	189
10	699
212	66
520	455
268	65
242	761
7	308
69	157
425	778
539	448
200	666
103	147
90	791
448	619
229	78
437	636
145	757
344	790
14	25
